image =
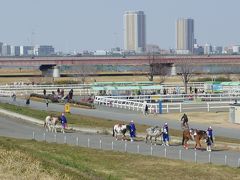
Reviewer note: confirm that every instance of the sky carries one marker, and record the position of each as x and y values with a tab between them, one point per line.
79	25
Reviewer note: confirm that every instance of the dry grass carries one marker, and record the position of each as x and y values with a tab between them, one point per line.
18	165
24	159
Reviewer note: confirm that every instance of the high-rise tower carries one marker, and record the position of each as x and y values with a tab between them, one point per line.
185	36
135	31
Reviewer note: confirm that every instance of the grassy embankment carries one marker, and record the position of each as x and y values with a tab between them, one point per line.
27	159
93	122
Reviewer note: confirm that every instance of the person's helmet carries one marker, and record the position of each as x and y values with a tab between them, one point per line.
210	127
131	121
165	124
62	114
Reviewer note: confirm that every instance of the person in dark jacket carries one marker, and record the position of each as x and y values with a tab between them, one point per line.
132	129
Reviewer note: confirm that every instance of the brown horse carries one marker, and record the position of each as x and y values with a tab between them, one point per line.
193	134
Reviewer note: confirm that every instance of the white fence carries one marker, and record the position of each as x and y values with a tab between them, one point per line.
224	158
166	107
180	97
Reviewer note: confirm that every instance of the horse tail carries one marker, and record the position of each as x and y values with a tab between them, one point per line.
45	124
113	132
183	139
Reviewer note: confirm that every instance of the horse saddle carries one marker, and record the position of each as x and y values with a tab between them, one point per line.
193	133
154	129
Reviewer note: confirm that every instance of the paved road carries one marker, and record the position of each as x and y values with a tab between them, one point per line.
125	115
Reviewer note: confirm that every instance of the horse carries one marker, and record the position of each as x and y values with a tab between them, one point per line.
153	132
120	129
51	124
193	134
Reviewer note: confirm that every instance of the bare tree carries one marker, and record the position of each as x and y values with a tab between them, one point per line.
85	71
156	69
186	72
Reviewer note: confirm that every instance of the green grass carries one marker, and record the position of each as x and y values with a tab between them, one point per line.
92	122
60	161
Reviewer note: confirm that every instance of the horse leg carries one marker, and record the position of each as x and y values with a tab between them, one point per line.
146	138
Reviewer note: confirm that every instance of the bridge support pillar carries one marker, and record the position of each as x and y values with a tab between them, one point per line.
173	70
56	72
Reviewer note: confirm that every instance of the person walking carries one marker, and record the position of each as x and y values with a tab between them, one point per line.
146	110
132	130
165	135
28	101
210	133
44	92
63	121
47	102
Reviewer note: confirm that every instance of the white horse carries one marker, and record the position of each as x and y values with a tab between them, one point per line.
120	129
153	132
51	124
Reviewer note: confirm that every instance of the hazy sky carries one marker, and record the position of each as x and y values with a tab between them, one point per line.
98	24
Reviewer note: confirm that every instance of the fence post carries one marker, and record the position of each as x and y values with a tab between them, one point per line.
180	154
167	108
138	149
33	135
125	149
76	141
239	163
151	150
55	138
112	145
195	156
65	139
88	142
100	143
225	160
44	136
209	158
180	107
208	107
165	152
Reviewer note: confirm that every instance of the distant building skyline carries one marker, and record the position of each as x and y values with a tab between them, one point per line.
184	35
134	31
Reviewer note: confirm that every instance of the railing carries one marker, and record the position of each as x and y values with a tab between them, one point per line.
180	97
166	107
5	93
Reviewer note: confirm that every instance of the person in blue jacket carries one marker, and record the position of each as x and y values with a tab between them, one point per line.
210	133
165	135
132	129
63	121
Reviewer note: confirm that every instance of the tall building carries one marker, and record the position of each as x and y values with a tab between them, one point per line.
185	36
6	50
135	31
45	50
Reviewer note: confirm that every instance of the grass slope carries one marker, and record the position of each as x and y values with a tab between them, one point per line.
26	159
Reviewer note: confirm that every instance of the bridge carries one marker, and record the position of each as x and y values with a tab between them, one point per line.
109	60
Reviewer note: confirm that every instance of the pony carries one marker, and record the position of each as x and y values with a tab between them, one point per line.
193	134
120	129
153	132
51	124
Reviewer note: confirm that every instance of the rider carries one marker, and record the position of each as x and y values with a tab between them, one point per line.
165	134
132	130
63	121
210	133
184	121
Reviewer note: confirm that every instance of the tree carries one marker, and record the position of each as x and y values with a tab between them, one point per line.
156	69
186	72
85	71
